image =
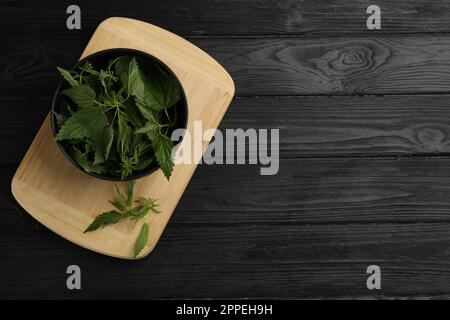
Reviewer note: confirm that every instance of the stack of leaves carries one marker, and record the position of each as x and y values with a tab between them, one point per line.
126	210
116	120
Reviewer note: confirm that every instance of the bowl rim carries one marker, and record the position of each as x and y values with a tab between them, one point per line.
124	51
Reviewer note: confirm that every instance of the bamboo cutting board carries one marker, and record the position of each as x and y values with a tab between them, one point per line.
66	200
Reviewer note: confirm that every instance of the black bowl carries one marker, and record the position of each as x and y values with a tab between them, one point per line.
100	60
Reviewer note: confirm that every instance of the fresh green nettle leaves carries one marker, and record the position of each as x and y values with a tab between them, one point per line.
142	239
115	120
125	210
82	95
85	123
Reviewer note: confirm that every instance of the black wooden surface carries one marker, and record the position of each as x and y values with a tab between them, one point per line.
364	119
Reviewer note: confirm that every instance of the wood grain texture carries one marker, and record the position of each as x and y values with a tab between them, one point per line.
342	126
281	66
232	17
66	200
363	179
310	191
330	219
322	191
335	66
323	126
313	266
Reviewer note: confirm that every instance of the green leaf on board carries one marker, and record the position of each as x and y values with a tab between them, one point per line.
106	218
124	205
141	240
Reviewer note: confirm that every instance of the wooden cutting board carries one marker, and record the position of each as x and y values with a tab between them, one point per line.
66	200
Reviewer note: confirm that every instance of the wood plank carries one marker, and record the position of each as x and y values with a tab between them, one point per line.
310	127
19	125
321	191
276	242
315	191
249	261
281	66
308	232
349	126
231	17
336	66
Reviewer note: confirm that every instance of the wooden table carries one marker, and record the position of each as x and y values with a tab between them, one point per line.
364	118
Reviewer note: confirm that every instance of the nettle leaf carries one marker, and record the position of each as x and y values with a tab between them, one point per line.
124	104
118	204
138	213
83	123
124	203
83	160
106	77
141	240
143	164
112	62
141	144
60	118
163	146
123	131
130	188
128	71
146	111
144	206
134	114
161	91
149	127
106	218
103	140
89	68
68	77
121	201
82	95
148	203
